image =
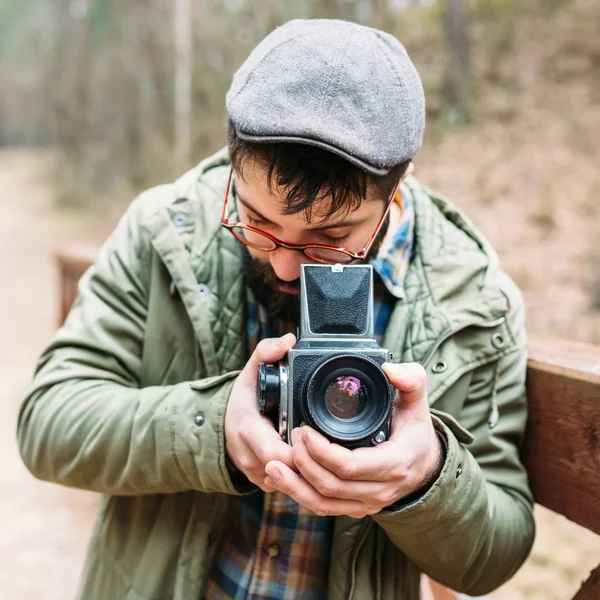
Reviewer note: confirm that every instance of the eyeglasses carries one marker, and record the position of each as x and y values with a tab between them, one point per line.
265	242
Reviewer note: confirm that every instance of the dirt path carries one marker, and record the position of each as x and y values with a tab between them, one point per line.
45	528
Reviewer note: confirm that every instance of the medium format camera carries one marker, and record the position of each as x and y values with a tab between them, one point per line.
332	379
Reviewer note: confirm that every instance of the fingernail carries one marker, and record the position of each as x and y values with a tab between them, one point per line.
295	436
304	435
393	369
274	474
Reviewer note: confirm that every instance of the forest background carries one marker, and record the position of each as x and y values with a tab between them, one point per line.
109	97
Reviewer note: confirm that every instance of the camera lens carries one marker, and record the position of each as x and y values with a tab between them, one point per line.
348	398
268	387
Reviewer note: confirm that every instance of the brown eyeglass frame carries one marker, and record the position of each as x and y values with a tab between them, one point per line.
302	247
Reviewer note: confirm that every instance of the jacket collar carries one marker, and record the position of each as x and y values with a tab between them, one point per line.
450	283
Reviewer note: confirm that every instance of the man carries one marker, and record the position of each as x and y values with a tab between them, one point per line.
148	394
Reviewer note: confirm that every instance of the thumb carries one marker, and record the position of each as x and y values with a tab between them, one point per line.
410	380
268	350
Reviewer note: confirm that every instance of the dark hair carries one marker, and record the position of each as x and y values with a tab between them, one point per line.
310	174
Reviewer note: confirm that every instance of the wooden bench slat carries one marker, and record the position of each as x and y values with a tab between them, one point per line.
562	442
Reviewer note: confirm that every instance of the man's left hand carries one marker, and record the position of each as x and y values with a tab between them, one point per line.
333	480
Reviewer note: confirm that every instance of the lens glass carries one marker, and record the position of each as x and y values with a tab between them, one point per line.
254	239
346	397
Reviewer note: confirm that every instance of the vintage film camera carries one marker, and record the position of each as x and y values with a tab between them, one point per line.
332	379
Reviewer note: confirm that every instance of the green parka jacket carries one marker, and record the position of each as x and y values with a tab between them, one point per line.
157	336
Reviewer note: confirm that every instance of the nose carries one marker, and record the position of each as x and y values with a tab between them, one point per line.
286	263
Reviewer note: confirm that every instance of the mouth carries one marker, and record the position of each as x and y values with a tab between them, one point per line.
287	288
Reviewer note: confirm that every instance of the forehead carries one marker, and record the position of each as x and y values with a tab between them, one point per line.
253	189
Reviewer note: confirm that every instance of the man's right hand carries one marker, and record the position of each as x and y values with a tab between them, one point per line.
251	440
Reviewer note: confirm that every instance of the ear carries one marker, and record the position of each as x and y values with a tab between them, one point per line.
409	171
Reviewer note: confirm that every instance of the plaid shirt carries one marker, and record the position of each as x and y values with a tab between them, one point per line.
275	548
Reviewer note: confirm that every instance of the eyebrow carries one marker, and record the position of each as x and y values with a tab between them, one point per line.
349	223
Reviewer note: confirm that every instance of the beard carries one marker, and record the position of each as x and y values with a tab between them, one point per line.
280	307
283	308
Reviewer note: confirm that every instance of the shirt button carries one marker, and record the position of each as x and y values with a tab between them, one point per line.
199	419
273	550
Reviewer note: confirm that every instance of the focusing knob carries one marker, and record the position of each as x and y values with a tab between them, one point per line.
268	386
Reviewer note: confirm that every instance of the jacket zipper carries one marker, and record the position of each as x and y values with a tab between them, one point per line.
449	334
362	537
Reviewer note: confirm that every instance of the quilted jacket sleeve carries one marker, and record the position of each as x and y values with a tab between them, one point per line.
85	421
474	527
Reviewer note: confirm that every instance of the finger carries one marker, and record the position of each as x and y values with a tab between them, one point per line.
268	485
332	486
362	464
252	467
411	406
305	494
258	434
270	350
267	444
260	482
410	380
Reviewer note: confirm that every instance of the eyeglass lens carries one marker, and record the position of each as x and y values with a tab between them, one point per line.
261	242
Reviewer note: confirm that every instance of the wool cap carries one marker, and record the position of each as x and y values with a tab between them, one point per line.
343	87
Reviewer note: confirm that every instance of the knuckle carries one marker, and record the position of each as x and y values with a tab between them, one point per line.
266	346
247	465
265	487
262	346
358	514
328	489
349	470
262	453
298	459
321	511
387	497
399	472
268	455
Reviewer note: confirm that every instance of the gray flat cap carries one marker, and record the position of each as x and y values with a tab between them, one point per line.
344	87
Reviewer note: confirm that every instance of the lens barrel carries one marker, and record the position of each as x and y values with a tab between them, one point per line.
269	386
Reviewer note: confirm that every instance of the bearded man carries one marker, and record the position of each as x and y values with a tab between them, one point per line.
147	394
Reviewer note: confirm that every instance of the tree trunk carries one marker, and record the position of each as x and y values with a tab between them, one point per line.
182	32
457	79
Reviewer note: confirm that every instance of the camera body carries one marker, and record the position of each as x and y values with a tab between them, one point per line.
332	378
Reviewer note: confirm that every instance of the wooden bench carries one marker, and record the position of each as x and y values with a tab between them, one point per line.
562	442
